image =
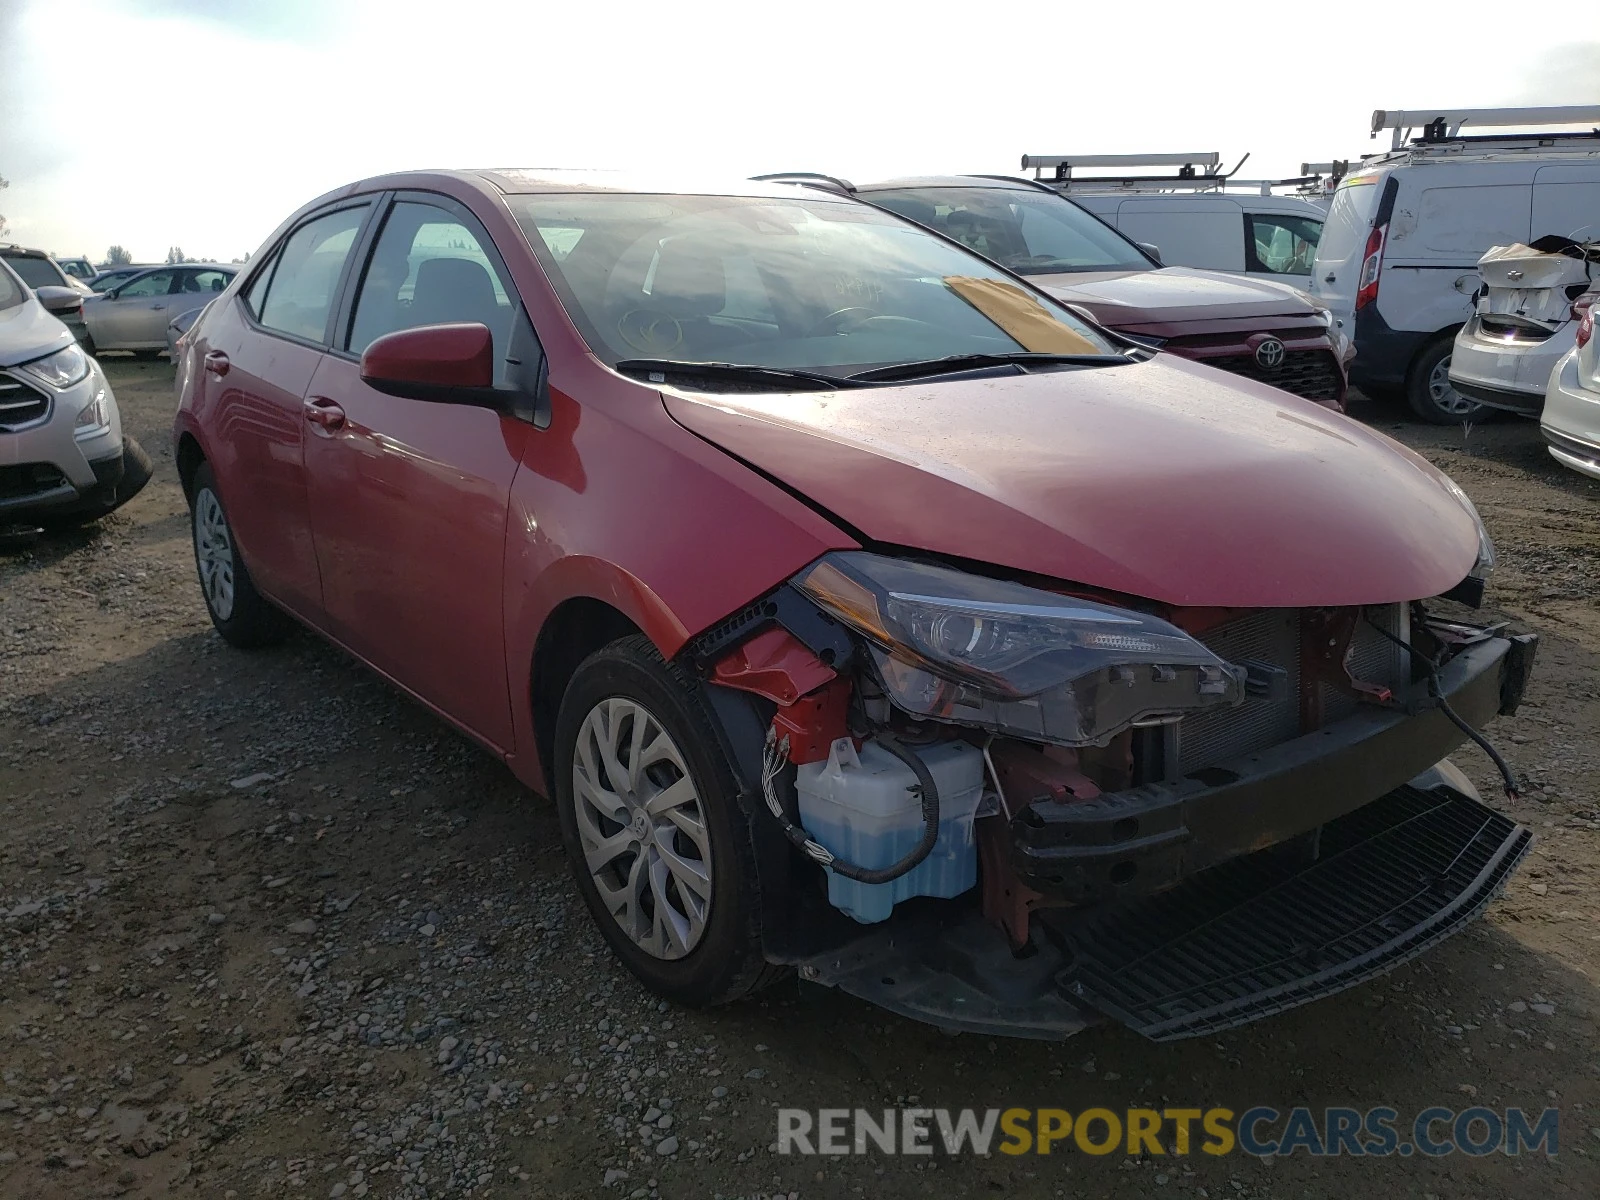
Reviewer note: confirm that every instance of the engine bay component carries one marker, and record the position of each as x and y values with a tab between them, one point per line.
864	807
989	654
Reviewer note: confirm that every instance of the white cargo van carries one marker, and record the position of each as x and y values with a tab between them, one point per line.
1197	217
1398	259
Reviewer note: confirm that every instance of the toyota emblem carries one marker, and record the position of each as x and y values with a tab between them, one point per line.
1269	354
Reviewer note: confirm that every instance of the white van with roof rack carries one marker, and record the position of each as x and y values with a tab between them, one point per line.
1398	259
1198	216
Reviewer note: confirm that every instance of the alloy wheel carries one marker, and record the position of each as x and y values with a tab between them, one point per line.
642	828
1444	395
213	550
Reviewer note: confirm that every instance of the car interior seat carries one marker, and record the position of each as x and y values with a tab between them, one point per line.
452	290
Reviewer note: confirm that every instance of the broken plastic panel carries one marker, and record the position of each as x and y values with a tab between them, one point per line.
1014	659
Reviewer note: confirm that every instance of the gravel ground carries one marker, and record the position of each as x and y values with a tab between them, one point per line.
266	928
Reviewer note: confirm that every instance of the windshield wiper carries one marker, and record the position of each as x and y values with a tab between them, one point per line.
785	377
970	362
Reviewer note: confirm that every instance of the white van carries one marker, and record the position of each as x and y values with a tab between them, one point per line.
1398	259
1198	215
1264	237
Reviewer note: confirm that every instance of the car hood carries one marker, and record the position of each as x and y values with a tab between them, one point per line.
27	332
1122	298
1163	479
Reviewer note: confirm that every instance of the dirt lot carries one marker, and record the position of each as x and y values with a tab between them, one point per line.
266	928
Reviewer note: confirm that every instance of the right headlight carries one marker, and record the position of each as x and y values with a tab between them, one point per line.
1002	656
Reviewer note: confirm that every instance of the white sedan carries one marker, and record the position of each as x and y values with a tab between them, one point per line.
1571	418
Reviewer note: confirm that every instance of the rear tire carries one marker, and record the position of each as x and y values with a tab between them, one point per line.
1428	389
667	839
242	615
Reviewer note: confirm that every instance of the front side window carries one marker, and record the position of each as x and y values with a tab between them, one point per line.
1282	245
157	283
813	284
429	269
37	272
1029	232
305	279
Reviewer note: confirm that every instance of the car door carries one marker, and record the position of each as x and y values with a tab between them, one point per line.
260	350
124	318
409	499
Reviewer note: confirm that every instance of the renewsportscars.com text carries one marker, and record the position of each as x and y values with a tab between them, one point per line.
1259	1131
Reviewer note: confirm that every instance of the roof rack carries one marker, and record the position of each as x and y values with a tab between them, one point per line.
1441	125
1196	172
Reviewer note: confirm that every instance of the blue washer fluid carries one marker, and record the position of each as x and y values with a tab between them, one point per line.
864	808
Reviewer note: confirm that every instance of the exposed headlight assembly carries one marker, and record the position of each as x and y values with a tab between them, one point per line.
62	369
1002	656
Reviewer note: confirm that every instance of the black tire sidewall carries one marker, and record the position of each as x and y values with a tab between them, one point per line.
728	956
254	621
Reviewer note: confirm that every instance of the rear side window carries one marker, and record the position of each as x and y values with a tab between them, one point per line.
305	279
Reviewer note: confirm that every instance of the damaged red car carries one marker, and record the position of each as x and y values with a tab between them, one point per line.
864	611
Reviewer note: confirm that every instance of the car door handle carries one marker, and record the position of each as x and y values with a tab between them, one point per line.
217	362
321	411
1328	278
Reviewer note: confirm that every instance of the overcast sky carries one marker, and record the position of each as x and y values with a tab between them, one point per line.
202	123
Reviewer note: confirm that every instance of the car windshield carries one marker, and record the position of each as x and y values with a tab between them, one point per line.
1026	231
804	284
1349	221
36	272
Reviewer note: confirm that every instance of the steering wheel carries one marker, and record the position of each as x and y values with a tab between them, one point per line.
652	333
841	319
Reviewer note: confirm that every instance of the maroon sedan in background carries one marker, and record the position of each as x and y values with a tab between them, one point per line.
1257	328
863	609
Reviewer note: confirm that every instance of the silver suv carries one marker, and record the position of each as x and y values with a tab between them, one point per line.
63	456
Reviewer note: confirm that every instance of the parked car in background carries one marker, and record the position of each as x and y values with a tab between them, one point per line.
1570	421
1253	327
753	524
63	455
111	276
1526	316
79	268
38	270
1398	260
134	314
1195	216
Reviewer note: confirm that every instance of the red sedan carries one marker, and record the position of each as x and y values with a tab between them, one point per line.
862	609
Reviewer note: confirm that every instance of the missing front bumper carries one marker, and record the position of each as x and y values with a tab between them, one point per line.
1149	838
1256	936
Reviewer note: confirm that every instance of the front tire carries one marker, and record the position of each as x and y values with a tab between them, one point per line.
1429	392
653	827
241	614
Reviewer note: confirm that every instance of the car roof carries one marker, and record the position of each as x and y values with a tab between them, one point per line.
998	182
13	248
529	180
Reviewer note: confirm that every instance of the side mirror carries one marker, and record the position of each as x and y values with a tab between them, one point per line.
59	300
448	364
1153	250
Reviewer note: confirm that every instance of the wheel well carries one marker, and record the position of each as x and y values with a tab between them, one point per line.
189	456
575	630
